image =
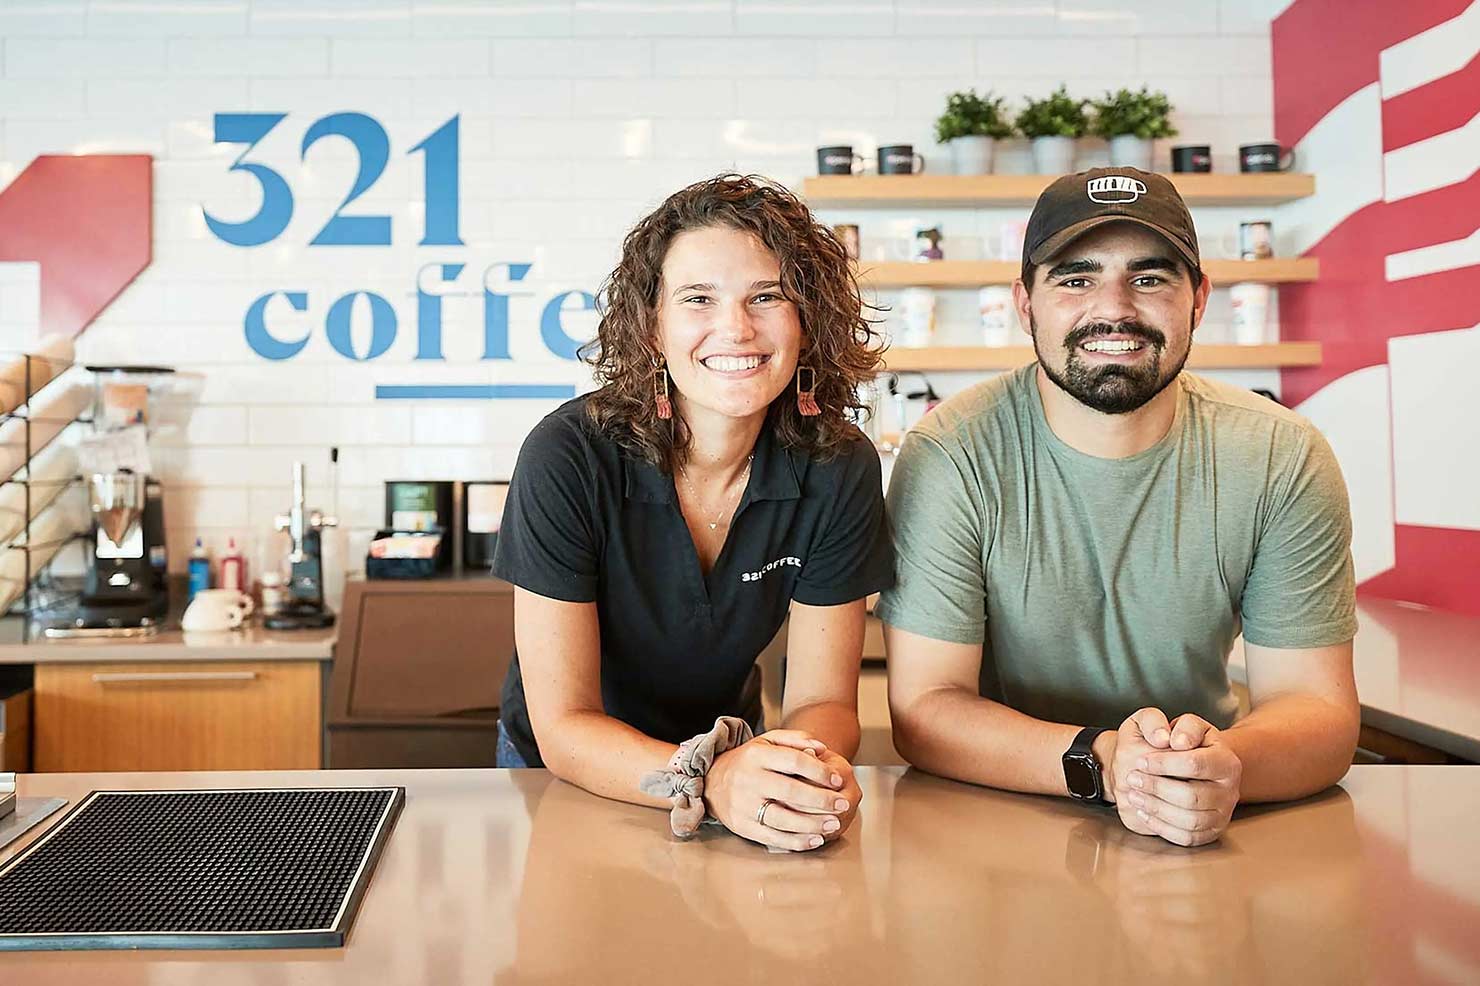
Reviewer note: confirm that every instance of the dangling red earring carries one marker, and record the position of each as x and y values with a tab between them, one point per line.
807	395
660	391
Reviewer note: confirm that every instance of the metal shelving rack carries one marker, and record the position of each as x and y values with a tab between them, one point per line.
22	541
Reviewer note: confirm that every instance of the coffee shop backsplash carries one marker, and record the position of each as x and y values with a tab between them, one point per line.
388	241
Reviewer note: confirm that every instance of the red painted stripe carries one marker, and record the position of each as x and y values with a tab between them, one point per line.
1440	106
88	221
1353	310
1436	566
1325	50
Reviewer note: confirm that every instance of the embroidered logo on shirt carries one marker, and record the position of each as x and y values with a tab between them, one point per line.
1115	188
761	572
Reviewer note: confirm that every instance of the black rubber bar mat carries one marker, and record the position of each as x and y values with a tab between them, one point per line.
279	868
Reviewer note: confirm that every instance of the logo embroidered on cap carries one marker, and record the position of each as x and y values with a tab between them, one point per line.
1115	188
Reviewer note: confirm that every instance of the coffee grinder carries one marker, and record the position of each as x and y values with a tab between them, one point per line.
305	608
126	589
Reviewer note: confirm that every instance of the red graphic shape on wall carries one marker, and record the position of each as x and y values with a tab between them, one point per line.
1436	566
88	221
1325	51
1353	310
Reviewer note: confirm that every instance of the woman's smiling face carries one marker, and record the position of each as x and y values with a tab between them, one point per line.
730	337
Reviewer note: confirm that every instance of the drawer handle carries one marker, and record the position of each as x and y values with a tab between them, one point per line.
113	678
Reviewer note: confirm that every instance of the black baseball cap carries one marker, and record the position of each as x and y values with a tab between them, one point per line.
1075	204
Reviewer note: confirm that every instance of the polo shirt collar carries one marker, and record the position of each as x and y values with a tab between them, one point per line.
773	475
643	481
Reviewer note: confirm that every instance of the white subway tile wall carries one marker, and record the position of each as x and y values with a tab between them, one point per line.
575	118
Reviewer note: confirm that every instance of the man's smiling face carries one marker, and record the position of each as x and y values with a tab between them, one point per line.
1112	316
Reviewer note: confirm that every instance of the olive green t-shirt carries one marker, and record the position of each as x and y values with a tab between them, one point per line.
1099	586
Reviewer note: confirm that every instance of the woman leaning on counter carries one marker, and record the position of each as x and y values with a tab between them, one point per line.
659	529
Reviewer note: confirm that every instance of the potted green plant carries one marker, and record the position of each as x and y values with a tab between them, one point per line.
971	126
1054	123
1131	121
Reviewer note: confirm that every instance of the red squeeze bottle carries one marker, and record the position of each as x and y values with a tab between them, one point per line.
233	568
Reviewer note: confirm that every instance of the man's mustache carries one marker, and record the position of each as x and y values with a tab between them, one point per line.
1140	329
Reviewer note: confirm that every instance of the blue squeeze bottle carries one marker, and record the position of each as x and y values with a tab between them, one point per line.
200	569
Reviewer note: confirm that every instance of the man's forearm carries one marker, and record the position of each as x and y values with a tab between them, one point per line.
1293	746
958	734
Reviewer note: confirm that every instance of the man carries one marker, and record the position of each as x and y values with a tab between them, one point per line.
1079	542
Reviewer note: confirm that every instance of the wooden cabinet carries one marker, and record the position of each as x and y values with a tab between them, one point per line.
206	715
15	730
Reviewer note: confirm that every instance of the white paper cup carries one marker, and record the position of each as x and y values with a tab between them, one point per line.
1250	313
917	313
998	318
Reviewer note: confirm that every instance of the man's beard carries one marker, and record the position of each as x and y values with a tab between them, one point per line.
1113	388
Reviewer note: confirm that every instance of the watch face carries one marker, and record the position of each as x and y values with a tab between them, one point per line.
1082	775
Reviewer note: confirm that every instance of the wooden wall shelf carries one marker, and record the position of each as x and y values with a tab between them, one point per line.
1202	357
975	273
991	191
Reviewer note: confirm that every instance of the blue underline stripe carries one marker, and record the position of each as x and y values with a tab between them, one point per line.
484	392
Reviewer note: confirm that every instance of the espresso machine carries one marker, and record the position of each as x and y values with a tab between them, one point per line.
305	607
126	589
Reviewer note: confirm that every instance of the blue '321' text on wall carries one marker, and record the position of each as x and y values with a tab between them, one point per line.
440	228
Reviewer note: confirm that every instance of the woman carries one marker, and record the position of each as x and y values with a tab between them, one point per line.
659	529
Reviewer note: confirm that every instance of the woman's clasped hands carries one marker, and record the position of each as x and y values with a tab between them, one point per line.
783	789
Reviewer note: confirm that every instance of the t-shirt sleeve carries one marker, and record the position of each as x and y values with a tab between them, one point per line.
547	540
938	527
1301	589
852	558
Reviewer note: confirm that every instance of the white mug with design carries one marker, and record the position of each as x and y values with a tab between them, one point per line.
1253	241
216	609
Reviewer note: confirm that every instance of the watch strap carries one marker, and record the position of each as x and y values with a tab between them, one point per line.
1084	742
1083	746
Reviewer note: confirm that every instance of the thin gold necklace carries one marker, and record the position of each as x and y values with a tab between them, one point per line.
714	524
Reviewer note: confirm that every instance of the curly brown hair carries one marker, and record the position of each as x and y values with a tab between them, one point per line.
816	275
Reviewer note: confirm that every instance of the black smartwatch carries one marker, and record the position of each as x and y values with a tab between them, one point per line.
1082	767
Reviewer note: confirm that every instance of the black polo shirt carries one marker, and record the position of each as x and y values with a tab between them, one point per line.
587	521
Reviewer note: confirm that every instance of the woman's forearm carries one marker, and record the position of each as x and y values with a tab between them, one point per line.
835	723
603	755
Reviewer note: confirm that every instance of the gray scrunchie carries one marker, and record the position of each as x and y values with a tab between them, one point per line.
683	779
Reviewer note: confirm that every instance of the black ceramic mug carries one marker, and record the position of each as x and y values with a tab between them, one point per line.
899	159
1193	158
1265	157
837	160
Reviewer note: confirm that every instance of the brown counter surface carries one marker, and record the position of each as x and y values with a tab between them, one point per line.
514	877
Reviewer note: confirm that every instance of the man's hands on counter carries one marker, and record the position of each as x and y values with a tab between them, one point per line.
1174	779
812	790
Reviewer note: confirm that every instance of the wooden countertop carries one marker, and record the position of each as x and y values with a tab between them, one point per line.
512	877
1418	674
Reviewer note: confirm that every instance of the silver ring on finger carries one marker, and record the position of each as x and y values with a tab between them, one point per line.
760	815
